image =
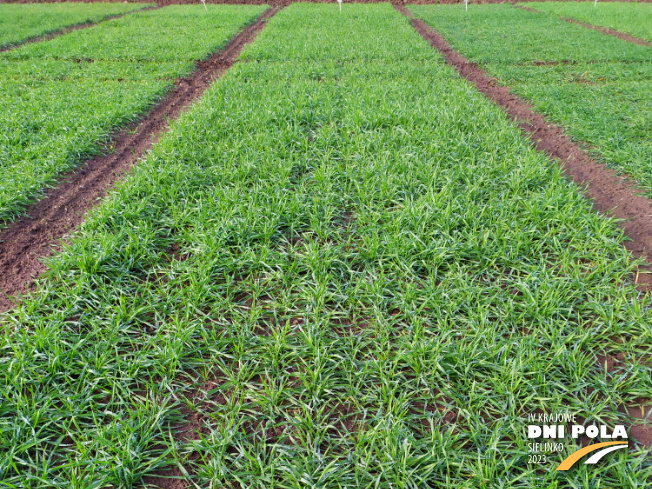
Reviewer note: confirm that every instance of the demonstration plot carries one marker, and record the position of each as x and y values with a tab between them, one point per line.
630	17
597	87
342	267
60	100
21	22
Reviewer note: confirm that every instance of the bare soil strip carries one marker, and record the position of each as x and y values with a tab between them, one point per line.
27	240
66	30
604	30
610	193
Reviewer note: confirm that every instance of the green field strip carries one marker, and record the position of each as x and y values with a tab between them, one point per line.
60	100
503	34
348	255
19	23
630	17
597	87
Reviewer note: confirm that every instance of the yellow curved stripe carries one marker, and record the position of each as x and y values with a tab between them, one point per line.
575	456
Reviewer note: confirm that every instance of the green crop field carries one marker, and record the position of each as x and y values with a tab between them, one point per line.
344	264
597	87
632	18
21	22
60	100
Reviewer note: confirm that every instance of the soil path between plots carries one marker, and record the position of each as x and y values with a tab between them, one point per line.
611	194
36	235
604	30
76	27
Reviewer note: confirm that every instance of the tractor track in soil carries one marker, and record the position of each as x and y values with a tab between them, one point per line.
71	28
610	193
604	30
36	235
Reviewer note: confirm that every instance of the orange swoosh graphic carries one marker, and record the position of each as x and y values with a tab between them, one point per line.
575	456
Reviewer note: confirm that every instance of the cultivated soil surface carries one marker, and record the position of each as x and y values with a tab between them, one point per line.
27	240
611	194
287	2
30	238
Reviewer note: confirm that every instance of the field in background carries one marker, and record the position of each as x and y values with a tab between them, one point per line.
21	22
599	88
60	100
632	18
342	267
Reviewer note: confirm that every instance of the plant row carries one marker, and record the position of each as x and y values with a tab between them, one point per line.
21	22
632	17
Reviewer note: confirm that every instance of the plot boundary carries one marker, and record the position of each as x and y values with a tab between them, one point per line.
71	28
610	193
25	241
605	30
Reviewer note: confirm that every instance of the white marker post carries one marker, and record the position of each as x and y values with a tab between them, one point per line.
340	2
466	4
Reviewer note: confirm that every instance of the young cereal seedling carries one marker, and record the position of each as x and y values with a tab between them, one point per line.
342	267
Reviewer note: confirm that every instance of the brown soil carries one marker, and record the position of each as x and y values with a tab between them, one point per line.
610	193
611	32
32	237
189	430
66	30
604	30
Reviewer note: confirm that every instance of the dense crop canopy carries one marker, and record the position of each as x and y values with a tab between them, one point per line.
341	251
631	17
21	22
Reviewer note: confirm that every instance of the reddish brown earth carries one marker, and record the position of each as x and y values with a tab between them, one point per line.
66	30
610	193
27	240
604	30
